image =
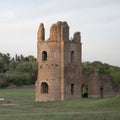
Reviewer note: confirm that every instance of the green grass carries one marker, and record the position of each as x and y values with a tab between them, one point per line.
25	108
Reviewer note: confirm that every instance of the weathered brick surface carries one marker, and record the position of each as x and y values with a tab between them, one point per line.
58	71
59	68
95	81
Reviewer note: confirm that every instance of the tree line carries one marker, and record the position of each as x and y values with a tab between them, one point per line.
18	70
21	70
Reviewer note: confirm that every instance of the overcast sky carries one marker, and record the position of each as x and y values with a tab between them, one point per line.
97	20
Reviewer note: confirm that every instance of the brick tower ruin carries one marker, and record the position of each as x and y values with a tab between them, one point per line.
59	64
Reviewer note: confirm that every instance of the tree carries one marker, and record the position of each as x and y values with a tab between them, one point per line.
18	70
4	62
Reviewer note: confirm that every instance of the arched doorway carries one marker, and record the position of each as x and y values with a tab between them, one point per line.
44	87
84	90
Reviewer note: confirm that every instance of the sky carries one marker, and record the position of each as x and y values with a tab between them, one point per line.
97	20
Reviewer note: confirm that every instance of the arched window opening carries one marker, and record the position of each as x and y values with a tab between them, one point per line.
72	56
44	87
84	90
44	56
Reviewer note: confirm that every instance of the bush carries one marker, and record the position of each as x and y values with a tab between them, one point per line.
18	78
4	84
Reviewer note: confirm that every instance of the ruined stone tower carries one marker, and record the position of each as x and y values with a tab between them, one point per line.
59	64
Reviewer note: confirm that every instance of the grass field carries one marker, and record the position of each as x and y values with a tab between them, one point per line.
24	107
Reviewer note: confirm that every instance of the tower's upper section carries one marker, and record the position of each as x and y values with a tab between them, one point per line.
41	33
58	32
